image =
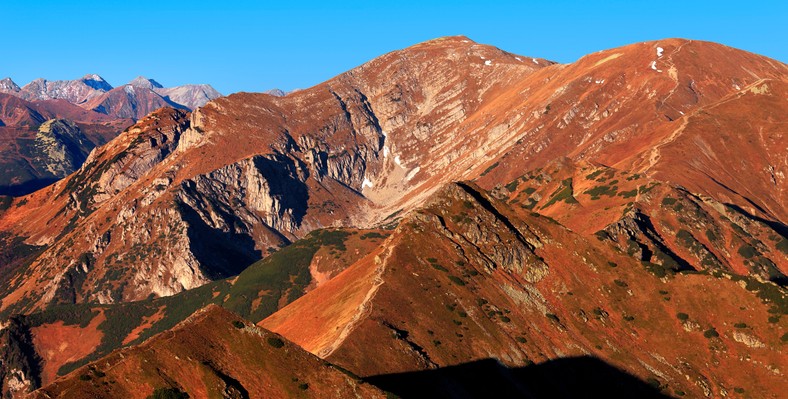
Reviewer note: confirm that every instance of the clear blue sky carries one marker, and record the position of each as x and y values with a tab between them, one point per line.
258	45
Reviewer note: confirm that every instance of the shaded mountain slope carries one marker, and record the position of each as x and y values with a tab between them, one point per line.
577	377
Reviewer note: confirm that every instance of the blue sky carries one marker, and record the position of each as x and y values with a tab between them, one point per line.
258	45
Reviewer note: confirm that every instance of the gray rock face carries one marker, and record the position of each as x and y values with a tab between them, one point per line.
144	153
635	234
18	374
141	81
275	92
8	86
262	189
190	96
490	238
74	91
60	148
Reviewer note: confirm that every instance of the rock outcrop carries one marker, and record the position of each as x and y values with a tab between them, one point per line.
60	148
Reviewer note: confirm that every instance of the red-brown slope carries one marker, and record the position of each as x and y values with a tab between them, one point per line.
16	111
214	353
469	278
130	102
659	222
613	108
733	150
253	171
255	168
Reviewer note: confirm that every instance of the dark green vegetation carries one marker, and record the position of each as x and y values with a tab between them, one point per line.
5	202
15	257
168	393
562	194
599	191
278	279
490	168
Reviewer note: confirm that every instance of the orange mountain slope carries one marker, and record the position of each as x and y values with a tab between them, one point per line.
213	353
470	278
250	172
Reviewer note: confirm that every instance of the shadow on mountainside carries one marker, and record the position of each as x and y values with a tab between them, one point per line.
576	377
27	187
221	253
777	226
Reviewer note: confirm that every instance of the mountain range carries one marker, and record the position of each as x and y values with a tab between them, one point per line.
446	220
95	112
93	92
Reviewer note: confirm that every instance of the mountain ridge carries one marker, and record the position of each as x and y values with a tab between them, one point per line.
85	90
537	210
382	173
99	109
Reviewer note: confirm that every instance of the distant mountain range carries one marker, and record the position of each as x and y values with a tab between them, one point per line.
94	111
132	100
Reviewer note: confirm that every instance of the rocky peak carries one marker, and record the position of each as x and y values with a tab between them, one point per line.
96	82
275	92
8	86
190	95
61	147
141	81
74	91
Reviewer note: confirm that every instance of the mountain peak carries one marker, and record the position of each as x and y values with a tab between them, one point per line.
447	41
141	81
96	82
456	38
8	85
275	92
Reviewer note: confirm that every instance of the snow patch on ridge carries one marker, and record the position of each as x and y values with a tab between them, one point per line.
412	173
366	183
534	61
659	52
488	62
